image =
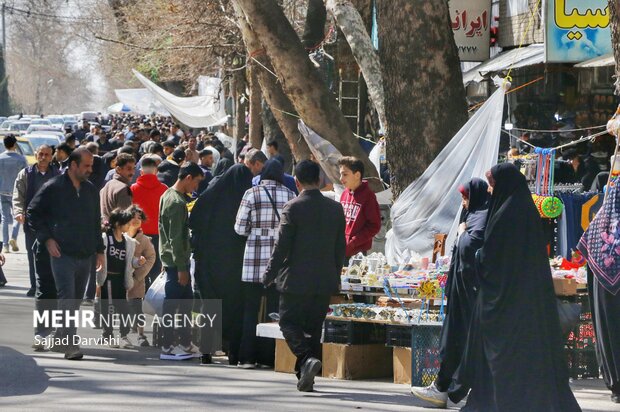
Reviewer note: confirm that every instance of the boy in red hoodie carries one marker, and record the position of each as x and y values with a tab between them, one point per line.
361	209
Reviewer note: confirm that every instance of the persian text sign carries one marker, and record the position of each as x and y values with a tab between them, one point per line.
577	30
471	25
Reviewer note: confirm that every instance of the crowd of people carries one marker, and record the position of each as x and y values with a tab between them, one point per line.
149	199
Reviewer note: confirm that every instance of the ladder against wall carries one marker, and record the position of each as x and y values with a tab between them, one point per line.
349	91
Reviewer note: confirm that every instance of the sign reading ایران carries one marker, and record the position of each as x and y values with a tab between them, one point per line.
471	25
577	30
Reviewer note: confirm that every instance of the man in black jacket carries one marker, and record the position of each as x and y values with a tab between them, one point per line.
305	266
66	218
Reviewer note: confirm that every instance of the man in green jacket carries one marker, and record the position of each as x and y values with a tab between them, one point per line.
174	251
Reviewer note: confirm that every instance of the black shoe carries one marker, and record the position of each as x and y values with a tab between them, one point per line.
73	353
309	370
615	397
2	284
206	360
30	293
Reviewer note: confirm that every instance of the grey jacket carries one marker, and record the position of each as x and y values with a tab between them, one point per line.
131	262
10	165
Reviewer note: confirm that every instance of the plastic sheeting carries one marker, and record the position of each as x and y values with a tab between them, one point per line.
141	101
515	58
432	203
195	111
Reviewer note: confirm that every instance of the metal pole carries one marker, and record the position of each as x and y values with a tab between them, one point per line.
3	30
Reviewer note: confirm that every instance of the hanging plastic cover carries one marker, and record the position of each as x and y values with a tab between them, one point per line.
324	152
432	203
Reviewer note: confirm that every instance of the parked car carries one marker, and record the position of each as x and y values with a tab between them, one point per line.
69	118
89	116
5	124
56	120
25	148
38	139
45	122
19	127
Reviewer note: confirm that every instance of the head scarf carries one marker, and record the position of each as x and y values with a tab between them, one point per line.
222	166
273	170
600	244
508	181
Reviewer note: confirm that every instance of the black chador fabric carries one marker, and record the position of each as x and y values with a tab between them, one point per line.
513	360
218	249
462	285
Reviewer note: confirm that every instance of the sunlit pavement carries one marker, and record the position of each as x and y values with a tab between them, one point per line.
116	379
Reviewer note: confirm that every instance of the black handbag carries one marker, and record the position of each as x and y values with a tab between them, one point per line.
569	315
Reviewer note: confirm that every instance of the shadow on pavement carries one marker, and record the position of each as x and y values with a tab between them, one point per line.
20	374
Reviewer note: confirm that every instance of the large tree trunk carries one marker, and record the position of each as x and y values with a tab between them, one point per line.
301	81
5	105
239	90
614	10
314	30
424	94
256	120
272	91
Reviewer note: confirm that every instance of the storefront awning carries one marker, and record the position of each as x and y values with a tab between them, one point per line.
604	60
515	58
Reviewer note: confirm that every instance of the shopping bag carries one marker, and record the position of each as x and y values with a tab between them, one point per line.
153	303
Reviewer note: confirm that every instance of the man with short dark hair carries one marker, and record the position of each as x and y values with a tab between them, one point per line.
72	236
117	193
305	267
168	170
206	163
27	184
61	156
11	163
169	147
255	161
272	149
175	251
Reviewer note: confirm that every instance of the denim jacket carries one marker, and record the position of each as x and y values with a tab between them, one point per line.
11	163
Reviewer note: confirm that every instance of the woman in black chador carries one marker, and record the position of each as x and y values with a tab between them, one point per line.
461	290
600	245
514	360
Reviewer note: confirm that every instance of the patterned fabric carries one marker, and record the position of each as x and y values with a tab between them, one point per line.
257	220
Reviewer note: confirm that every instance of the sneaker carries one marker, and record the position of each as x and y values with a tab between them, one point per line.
13	244
193	349
206	360
615	397
126	343
38	345
431	394
30	293
143	341
246	366
58	348
73	353
309	370
263	366
87	302
174	353
113	341
5	249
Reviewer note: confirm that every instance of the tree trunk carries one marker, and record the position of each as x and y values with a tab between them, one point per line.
614	11
273	132
256	120
5	105
424	94
272	91
239	90
314	30
301	81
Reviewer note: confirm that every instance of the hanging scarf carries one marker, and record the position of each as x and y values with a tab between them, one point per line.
600	244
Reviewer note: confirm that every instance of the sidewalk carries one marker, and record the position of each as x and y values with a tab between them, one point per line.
116	379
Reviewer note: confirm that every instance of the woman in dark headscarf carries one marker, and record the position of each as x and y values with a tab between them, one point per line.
222	166
218	250
461	290
513	359
600	245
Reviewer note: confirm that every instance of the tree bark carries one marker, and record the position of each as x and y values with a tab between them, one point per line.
614	10
272	91
239	90
314	30
301	81
256	120
5	105
424	94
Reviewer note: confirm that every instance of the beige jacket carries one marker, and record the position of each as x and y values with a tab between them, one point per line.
143	248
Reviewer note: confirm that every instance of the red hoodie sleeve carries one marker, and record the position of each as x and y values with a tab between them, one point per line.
372	225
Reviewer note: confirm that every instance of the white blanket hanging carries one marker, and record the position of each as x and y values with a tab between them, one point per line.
432	203
195	111
141	101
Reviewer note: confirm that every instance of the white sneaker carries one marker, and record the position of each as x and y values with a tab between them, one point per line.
112	341
174	353
193	349
126	343
246	366
431	395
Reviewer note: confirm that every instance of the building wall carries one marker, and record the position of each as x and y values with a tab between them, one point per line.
514	19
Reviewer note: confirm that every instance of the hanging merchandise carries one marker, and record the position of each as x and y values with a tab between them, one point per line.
547	204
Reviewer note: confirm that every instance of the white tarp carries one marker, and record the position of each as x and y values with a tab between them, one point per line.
141	101
195	111
431	204
515	58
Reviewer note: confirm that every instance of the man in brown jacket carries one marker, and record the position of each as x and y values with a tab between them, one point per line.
117	192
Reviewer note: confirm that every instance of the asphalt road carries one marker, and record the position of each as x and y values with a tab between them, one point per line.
133	380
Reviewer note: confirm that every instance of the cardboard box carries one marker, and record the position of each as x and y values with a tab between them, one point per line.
402	365
565	287
285	360
349	362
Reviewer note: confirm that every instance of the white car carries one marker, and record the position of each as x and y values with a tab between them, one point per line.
19	126
57	121
41	138
42	128
5	124
45	122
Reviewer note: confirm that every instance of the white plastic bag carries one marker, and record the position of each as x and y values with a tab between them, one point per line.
153	303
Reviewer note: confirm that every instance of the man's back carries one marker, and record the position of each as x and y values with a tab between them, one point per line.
11	163
308	256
